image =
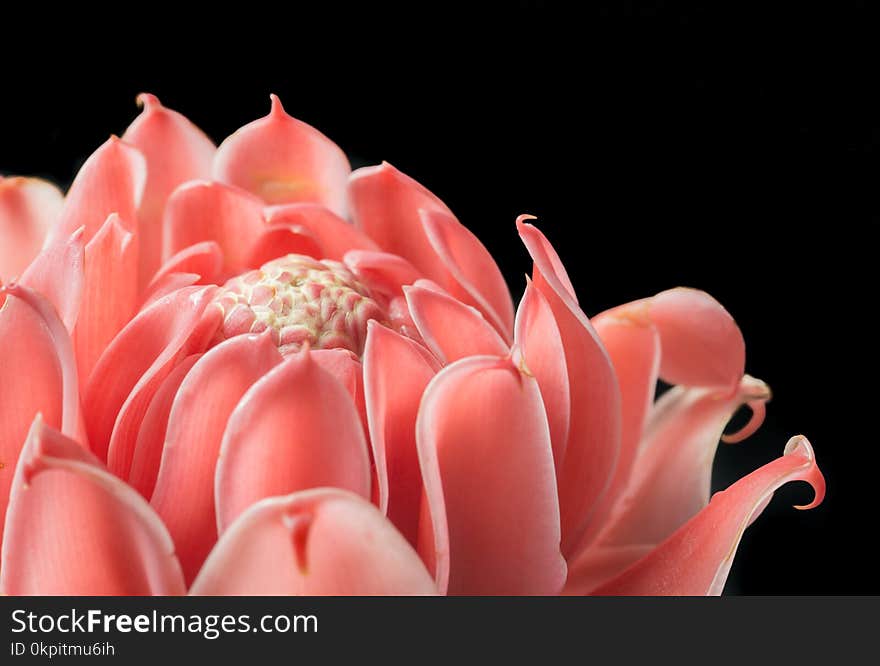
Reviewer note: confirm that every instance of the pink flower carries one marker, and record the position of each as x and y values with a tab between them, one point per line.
214	382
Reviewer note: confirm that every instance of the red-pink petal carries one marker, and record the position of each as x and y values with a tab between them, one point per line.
137	360
395	376
385	273
75	529
110	292
277	240
58	273
184	492
334	235
28	209
176	151
204	211
487	465
451	329
111	181
595	424
151	436
283	160
316	542
671	474
475	277
296	428
696	559
538	336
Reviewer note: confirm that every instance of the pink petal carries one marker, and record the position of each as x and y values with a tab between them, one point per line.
595	424
176	151
296	428
278	240
35	350
74	529
696	559
385	273
28	209
334	235
451	329
395	376
205	259
203	211
137	360
702	345
168	284
597	565
184	492
283	160
111	181
151	436
476	278
671	474
385	204
634	348
57	273
347	369
110	294
315	542
487	465
538	336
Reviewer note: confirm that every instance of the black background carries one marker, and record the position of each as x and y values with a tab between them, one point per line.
658	145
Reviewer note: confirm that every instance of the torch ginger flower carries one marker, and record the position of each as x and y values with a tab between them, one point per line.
248	370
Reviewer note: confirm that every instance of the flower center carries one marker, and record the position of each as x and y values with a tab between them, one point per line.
300	300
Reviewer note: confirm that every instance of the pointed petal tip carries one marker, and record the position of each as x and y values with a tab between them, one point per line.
148	101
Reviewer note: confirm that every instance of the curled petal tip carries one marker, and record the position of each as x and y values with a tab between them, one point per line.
800	445
522	220
148	101
755	395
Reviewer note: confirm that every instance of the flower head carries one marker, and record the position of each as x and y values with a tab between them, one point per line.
248	370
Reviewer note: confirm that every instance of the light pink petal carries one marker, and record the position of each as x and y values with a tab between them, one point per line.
283	160
476	278
184	492
395	376
279	240
487	465
538	336
451	329
205	259
671	474
137	360
696	559
204	211
595	424
58	273
39	371
75	529
634	348
151	436
111	181
176	151
334	235
385	204
315	542
110	294
28	209
296	428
